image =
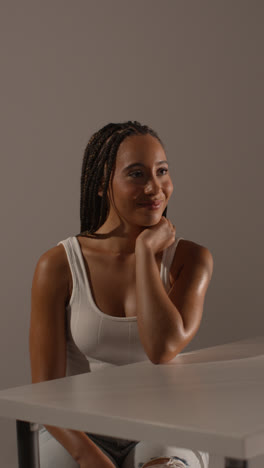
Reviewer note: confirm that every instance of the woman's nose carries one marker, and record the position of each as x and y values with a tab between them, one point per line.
153	185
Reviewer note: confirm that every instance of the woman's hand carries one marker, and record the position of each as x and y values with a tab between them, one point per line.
158	237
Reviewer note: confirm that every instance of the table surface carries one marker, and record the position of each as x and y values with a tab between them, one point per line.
210	399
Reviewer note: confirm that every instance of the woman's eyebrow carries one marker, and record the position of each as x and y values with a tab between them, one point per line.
143	165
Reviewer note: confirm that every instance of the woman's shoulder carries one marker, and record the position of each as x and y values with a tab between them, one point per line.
54	256
53	264
190	245
189	250
197	254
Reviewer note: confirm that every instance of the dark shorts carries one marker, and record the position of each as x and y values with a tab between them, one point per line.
117	448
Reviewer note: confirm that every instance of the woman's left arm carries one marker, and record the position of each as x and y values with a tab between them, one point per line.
168	322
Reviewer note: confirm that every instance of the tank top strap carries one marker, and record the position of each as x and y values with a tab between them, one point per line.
167	262
75	260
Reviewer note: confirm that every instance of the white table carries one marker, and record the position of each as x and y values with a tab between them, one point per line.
211	400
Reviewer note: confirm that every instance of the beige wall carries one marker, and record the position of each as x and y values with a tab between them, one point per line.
193	70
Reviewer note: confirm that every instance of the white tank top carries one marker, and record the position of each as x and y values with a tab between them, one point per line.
94	339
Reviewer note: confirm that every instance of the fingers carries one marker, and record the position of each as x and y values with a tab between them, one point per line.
171	225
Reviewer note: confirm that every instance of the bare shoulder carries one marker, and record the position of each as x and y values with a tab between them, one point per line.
192	252
54	258
52	267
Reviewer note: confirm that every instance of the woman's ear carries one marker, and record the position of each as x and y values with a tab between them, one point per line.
101	187
102	182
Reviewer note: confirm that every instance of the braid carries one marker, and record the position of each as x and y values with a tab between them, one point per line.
101	150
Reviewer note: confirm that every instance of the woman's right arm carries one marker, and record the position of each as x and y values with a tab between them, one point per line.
47	346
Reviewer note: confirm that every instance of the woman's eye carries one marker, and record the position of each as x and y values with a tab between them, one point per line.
140	172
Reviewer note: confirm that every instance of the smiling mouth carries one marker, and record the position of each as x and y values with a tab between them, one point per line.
152	206
156	202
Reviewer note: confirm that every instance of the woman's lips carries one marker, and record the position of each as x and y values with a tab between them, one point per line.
151	206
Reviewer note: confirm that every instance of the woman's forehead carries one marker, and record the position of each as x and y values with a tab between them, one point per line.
135	148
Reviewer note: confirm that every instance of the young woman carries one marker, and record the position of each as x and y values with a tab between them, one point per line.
118	292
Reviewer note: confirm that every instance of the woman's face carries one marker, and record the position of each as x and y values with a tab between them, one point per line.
147	180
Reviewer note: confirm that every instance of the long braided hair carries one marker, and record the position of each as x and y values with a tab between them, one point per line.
100	150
